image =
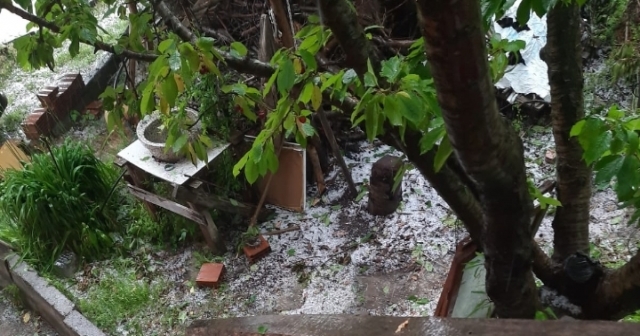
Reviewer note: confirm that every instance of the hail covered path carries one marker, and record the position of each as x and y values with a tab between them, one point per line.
12	321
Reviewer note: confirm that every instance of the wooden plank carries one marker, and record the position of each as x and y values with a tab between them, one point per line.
167	204
142	181
362	325
120	162
202	199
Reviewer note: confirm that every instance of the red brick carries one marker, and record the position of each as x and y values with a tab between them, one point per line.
254	253
38	123
48	96
71	87
210	275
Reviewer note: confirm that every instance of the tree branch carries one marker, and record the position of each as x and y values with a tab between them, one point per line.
54	28
619	293
339	16
245	65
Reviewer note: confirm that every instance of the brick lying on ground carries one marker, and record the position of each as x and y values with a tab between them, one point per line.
43	298
360	325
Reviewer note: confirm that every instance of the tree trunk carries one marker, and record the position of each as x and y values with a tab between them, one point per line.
563	55
488	149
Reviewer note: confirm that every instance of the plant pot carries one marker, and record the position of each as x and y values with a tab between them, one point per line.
210	275
154	138
257	249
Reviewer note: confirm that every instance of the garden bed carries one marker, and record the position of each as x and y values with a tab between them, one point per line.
342	260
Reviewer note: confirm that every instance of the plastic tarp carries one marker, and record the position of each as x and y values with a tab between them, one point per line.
530	77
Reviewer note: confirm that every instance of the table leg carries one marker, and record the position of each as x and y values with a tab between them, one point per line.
141	180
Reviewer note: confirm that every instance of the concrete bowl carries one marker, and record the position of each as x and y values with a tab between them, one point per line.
151	123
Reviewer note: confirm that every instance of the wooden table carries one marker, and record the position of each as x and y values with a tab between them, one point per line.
142	169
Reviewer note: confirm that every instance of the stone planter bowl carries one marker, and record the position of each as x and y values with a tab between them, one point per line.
148	133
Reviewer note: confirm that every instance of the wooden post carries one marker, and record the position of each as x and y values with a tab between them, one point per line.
336	151
210	231
140	179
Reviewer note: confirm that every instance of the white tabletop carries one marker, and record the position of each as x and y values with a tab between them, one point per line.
138	155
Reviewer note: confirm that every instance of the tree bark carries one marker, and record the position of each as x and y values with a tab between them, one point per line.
618	294
488	149
563	55
339	15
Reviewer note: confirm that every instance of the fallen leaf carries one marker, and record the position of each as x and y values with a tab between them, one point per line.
402	326
315	202
26	317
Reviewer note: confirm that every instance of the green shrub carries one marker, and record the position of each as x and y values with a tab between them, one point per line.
60	201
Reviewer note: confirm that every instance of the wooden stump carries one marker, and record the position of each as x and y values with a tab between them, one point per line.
383	200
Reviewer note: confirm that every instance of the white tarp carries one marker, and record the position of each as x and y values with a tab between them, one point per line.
530	77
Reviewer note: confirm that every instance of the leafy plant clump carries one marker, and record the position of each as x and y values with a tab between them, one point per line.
58	202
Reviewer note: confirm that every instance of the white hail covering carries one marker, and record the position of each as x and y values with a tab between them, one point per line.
530	77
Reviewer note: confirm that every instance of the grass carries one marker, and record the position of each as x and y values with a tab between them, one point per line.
60	201
120	298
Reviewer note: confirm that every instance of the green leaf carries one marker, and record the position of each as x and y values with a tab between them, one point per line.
256	153
549	201
429	139
147	104
170	90
286	76
410	107
524	11
632	138
391	69
309	60
174	61
316	98
371	121
205	43
633	125
515	45
307	91
444	150
307	129
607	168
269	84
614	113
332	80
627	177
598	147
165	45
392	111
240	164
272	161
349	76
180	142
251	172
190	54
239	48
577	128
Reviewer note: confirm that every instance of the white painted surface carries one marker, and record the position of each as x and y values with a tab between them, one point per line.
139	156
